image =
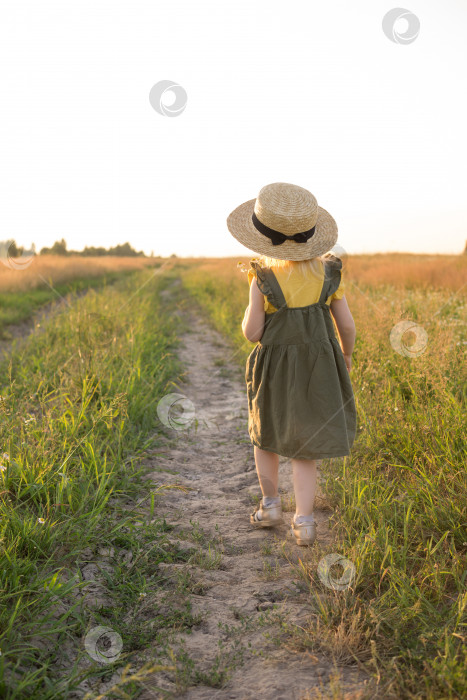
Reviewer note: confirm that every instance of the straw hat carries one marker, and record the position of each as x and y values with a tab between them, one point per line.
284	222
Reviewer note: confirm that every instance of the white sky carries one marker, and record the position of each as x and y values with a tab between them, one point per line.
298	91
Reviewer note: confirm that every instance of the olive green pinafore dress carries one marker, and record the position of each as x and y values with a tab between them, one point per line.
300	398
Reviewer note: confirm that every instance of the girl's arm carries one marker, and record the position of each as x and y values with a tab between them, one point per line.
346	328
253	322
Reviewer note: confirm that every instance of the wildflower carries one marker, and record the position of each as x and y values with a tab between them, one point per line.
6	456
41	520
2	468
142	595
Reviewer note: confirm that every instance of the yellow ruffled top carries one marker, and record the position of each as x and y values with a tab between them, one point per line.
299	289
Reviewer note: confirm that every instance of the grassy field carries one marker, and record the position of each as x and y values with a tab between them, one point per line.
77	413
48	277
78	417
400	500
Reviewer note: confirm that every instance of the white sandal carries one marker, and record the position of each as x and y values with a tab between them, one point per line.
266	516
304	533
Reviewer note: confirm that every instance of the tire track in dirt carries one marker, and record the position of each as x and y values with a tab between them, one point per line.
241	597
19	333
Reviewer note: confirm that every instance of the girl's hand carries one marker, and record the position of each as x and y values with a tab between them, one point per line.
345	326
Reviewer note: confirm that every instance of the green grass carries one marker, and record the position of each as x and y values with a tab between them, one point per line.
77	415
400	500
16	307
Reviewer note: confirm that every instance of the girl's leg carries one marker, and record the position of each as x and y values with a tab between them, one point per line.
267	468
304	481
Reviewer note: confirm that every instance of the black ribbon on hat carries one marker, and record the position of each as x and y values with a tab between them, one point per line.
277	237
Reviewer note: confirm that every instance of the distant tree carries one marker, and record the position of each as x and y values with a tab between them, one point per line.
91	250
465	249
125	250
12	250
58	248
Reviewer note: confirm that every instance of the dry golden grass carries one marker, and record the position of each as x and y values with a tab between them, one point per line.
408	270
397	269
55	269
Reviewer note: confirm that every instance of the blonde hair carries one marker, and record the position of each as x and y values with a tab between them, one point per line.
313	265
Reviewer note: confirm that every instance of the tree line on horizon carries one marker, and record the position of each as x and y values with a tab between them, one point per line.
10	249
61	248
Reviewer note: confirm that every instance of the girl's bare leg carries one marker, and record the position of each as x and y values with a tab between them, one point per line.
267	468
304	481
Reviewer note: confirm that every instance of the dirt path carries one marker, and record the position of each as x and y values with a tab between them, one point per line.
245	585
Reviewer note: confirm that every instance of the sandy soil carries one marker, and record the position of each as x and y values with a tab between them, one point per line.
255	585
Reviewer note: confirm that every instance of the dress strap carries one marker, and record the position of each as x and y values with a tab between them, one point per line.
268	285
332	277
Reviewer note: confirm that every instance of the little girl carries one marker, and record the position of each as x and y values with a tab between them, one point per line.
300	398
